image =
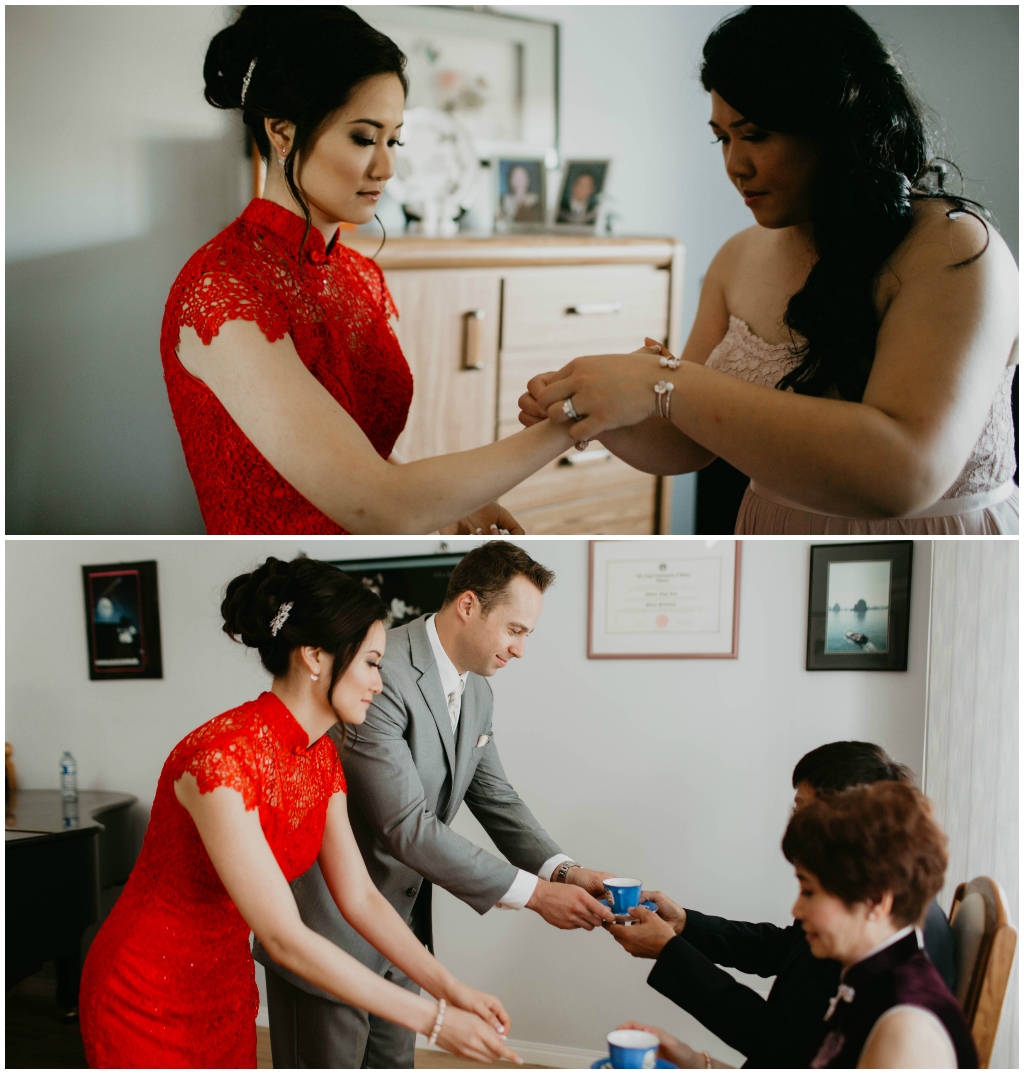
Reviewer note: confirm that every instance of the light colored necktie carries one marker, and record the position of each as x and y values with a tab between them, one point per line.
455	705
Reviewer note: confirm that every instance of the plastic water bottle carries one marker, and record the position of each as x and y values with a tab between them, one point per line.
68	778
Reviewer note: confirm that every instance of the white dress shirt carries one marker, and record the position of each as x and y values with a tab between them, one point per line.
452	683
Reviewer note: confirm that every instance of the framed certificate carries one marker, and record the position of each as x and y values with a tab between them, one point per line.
652	600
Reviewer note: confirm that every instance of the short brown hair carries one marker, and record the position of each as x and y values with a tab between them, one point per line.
488	571
863	842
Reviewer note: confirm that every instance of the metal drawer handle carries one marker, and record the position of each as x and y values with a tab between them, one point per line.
472	339
578	458
593	309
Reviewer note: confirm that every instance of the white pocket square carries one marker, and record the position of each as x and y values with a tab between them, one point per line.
482	741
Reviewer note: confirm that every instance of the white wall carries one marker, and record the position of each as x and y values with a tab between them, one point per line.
673	771
117	170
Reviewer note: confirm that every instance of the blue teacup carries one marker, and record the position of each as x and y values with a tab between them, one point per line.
623	894
633	1049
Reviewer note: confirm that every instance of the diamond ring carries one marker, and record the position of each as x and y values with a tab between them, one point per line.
569	409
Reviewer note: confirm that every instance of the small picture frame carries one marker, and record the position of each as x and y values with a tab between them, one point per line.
858	613
520	194
663	600
122	620
579	200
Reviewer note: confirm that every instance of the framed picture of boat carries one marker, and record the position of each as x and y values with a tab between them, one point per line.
858	614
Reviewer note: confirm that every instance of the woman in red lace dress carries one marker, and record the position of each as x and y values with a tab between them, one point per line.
286	381
245	804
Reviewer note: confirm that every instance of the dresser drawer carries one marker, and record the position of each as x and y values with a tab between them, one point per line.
518	367
588	304
631	511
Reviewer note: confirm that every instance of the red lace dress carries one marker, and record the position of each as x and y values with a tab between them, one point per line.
335	307
169	979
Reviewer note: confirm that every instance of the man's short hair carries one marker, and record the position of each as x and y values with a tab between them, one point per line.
839	765
488	571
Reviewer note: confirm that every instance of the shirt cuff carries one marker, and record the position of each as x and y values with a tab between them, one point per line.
520	893
547	870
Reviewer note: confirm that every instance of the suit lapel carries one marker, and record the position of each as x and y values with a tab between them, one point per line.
429	682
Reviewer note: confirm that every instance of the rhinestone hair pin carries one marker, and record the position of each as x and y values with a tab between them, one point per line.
248	76
282	614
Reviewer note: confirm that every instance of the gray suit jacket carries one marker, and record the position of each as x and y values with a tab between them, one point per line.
407	777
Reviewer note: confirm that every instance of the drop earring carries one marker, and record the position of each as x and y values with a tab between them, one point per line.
315	677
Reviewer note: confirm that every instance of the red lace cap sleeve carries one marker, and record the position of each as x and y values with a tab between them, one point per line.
218	756
215	287
338	783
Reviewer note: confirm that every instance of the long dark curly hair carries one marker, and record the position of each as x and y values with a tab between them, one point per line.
824	72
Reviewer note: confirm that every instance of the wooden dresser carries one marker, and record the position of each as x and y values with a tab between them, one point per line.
479	316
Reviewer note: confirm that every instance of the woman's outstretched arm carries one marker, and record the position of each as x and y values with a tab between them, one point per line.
943	344
317	447
378	922
246	866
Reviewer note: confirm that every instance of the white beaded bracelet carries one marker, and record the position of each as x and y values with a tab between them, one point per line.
438	1022
663	390
667	362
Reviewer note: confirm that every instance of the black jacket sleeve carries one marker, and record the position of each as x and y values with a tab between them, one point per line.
938	944
780	1031
761	949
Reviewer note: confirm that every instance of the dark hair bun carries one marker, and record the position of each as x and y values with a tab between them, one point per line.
330	610
253	600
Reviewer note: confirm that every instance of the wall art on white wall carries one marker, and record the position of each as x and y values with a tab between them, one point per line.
664	599
858	615
496	74
122	620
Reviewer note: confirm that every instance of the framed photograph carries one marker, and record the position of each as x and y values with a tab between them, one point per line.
521	193
410	586
579	200
658	600
122	621
496	74
858	613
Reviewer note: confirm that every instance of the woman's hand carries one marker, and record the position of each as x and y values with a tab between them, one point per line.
608	391
675	1051
485	1006
668	910
492	520
529	412
469	1036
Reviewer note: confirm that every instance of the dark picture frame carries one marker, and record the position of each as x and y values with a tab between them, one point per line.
565	215
858	607
410	586
122	621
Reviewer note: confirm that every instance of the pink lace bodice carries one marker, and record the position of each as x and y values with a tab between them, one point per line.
991	463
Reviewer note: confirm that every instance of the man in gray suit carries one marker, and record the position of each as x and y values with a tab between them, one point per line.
428	745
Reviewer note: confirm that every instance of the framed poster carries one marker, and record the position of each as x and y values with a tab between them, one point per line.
410	586
122	621
496	74
653	600
858	611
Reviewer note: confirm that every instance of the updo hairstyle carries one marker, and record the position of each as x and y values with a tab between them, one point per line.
863	842
824	72
309	60
330	610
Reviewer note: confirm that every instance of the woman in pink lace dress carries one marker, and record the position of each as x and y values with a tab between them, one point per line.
853	352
